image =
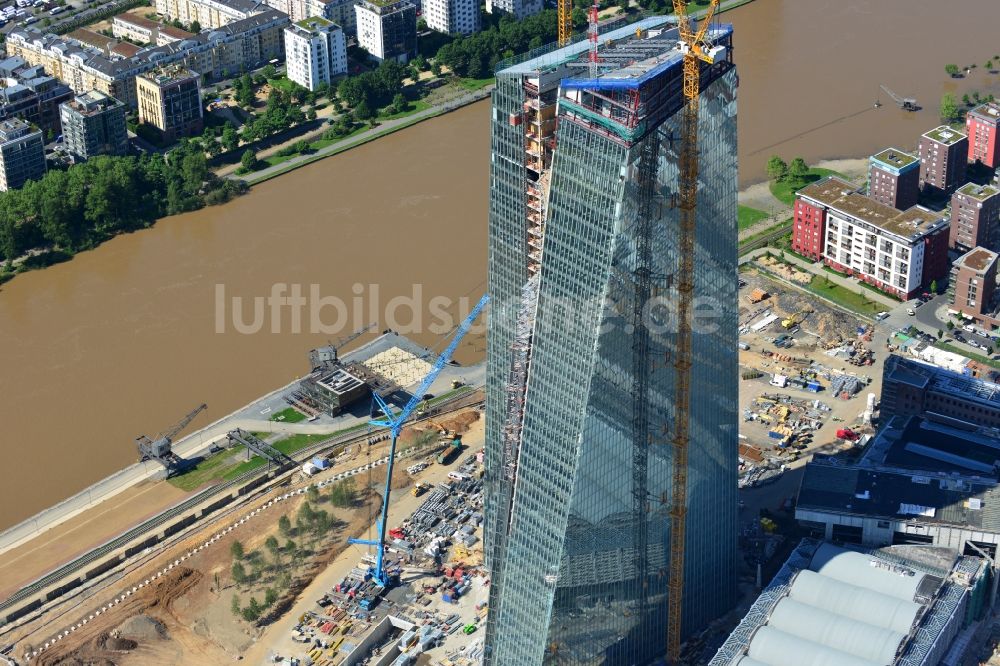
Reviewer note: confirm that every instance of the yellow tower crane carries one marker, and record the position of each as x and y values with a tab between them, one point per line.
693	38
565	21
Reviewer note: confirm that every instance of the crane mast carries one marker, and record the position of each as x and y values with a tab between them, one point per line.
687	203
565	21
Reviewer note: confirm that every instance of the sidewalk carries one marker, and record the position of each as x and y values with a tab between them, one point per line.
386	127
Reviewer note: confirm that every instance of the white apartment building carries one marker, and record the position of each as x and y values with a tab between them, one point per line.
387	29
452	16
315	51
896	251
210	14
519	9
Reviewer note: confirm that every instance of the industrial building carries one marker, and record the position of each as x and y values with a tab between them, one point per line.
519	9
330	391
30	94
315	52
22	154
452	16
975	218
943	154
973	287
912	388
899	606
983	126
387	29
170	100
579	455
94	124
894	178
240	45
896	251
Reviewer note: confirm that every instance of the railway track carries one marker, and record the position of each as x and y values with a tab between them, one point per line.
73	567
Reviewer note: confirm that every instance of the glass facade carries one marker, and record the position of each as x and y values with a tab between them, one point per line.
577	522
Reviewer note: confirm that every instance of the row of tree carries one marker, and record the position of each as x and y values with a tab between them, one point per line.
778	171
84	205
371	90
477	55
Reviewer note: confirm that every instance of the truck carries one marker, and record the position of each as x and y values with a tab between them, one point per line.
420	489
451	451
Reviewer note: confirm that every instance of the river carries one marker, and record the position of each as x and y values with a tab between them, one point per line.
122	340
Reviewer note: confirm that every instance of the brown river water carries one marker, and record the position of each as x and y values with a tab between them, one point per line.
122	340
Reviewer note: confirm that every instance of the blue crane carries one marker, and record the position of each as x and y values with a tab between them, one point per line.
394	422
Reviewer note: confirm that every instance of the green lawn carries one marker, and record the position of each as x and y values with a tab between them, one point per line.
845	298
289	415
415	107
288	446
475	84
209	469
750	216
769	230
784	191
283	83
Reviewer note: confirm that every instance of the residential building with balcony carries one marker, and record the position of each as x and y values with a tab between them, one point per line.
452	16
975	217
973	287
170	100
94	124
22	154
895	251
943	156
30	94
315	52
983	125
387	29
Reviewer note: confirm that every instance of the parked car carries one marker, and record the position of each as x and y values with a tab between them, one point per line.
881	315
910	312
917	302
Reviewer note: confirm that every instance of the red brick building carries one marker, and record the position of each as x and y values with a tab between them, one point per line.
894	178
975	218
983	126
808	228
943	155
973	287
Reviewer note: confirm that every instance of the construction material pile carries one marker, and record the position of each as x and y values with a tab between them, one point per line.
786	271
845	386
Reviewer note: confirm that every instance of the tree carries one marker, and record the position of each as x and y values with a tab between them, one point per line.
952	70
421	25
253	611
362	110
343	494
290	547
306	512
951	325
270	596
269	71
420	62
272	546
965	100
989	65
234	605
239	573
798	170
940	334
285	526
230	140
934	286
776	168
436	68
399	103
249	160
195	27
236	548
312	492
949	108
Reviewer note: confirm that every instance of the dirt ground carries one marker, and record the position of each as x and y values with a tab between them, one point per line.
32	559
185	617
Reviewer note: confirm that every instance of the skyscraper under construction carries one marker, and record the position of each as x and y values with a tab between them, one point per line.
584	261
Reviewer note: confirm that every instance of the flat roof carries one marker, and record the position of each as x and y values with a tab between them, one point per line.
978	192
339	381
977	259
990	111
894	157
134	19
842	196
940	380
314	21
945	135
920	444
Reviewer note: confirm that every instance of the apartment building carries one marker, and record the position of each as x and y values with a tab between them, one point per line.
943	155
973	287
983	125
94	124
387	29
894	178
30	94
519	9
22	154
340	12
170	100
315	52
975	217
452	16
141	29
209	14
895	251
240	45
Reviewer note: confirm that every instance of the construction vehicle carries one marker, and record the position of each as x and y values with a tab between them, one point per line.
848	435
420	489
905	103
451	451
795	319
160	448
698	51
394	422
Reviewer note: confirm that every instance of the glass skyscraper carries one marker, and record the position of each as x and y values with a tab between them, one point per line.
582	258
